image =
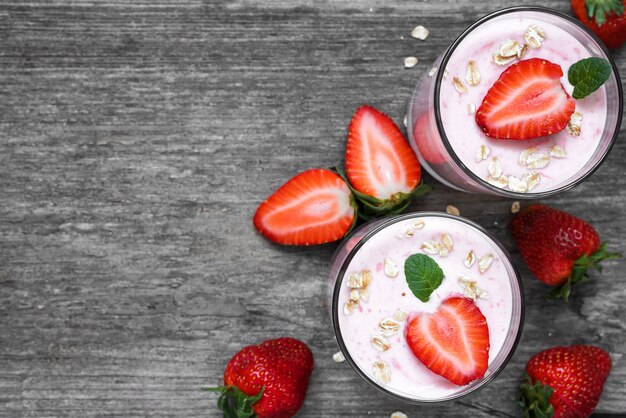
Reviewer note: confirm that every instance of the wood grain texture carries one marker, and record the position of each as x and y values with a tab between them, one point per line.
137	139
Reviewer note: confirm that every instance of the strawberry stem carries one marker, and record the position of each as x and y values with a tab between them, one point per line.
601	9
534	398
234	403
579	274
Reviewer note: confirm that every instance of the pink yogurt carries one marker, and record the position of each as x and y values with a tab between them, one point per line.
465	136
409	378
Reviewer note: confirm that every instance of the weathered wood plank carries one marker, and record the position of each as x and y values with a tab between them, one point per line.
136	140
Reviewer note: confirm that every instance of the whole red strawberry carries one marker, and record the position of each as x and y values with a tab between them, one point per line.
564	382
268	380
558	247
606	18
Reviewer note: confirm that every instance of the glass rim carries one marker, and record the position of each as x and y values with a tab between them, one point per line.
446	57
335	306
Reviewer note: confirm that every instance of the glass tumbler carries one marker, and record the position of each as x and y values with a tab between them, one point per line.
428	131
410	381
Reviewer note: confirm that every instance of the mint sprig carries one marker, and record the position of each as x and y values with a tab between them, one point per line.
588	75
423	275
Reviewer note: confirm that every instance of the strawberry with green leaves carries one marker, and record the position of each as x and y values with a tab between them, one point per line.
381	167
557	247
268	380
606	18
564	382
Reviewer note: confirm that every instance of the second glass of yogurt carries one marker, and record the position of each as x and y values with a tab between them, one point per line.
452	147
371	302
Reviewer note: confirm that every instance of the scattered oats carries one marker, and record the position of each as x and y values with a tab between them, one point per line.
443	251
495	168
364	295
472	75
338	357
500	60
405	121
431	247
515	207
391	269
417	223
453	210
557	152
507	52
523	156
471	108
355	295
532	179
470	259
389	326
534	36
432	71
355	280
447	242
523	50
501	181
537	160
348	308
398	414
400	315
445	74
359	280
408	233
381	371
575	123
484	263
420	32
410	62
367	277
471	289
482	153
380	343
459	86
517	185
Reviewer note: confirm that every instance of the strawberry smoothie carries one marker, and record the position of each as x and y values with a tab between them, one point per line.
472	161
372	301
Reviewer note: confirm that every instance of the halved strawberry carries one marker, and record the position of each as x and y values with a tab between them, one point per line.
453	341
527	101
380	165
314	207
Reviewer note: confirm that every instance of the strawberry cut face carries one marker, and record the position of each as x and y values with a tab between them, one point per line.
379	161
314	207
526	102
452	342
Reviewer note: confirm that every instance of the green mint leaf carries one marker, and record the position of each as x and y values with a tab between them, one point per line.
588	75
423	275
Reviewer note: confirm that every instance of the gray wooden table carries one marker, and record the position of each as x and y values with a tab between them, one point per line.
136	140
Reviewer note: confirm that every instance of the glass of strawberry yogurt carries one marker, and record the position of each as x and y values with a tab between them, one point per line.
446	106
473	317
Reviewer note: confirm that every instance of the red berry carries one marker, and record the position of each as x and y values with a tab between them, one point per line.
452	342
379	161
527	101
567	381
557	247
314	207
604	17
277	369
